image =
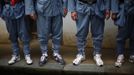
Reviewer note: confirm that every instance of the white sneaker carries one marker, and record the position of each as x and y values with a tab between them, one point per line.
120	60
58	58
28	59
131	59
57	55
98	60
79	58
14	59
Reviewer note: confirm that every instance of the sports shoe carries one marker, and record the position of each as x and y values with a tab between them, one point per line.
58	58
28	59
120	60
79	58
43	59
13	60
98	60
131	59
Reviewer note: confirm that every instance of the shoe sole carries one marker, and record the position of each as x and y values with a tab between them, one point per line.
14	62
98	64
118	66
29	63
80	62
42	64
75	64
60	63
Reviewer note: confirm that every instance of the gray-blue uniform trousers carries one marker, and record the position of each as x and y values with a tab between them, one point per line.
94	13
125	25
49	21
14	17
30	10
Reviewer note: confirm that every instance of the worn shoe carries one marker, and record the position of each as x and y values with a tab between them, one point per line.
120	60
43	59
98	60
13	60
58	58
28	60
79	58
131	59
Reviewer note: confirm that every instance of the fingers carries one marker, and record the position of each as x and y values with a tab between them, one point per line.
107	14
74	16
33	16
65	11
114	16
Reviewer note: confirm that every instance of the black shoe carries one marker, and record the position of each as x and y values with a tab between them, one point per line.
43	60
59	59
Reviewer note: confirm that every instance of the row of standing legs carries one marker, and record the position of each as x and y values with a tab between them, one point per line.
17	28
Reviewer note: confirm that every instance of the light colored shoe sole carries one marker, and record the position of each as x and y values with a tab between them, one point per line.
99	65
79	63
14	62
29	63
117	64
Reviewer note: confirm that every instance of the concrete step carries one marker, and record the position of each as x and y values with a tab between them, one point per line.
87	67
54	68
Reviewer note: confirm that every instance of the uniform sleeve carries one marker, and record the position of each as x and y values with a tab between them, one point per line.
107	4
114	6
65	3
1	7
0	10
29	7
129	5
72	5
